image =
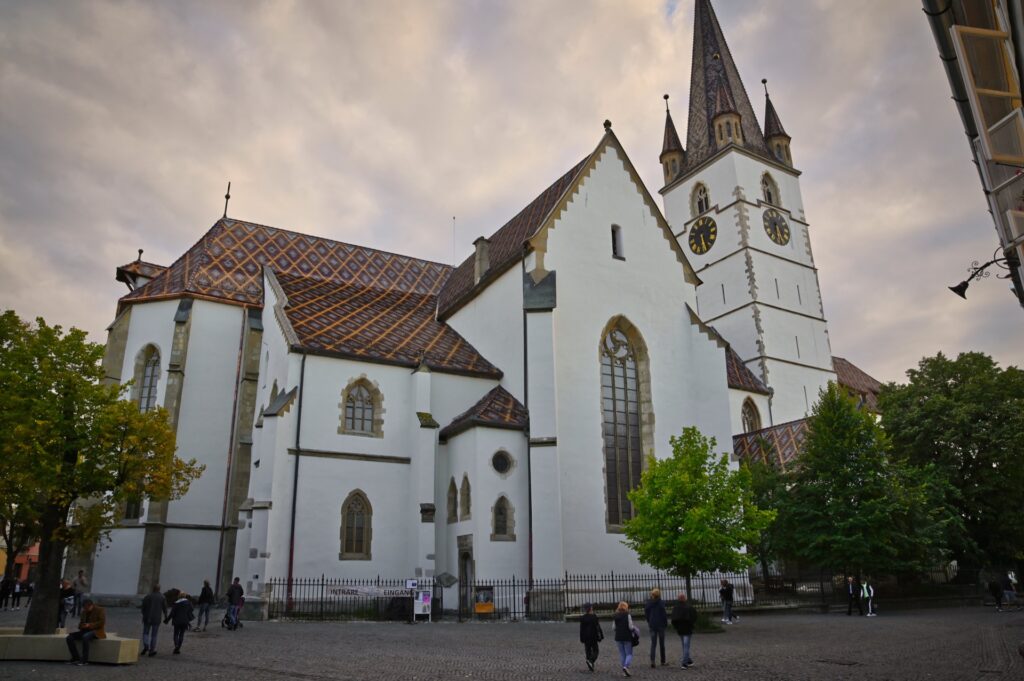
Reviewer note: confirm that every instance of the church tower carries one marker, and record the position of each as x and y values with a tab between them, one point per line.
736	206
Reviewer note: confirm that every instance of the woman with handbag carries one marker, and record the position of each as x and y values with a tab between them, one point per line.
626	635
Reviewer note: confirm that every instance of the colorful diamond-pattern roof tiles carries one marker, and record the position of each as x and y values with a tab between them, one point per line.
740	376
778	445
496	409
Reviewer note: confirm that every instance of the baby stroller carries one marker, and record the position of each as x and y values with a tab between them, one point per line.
226	623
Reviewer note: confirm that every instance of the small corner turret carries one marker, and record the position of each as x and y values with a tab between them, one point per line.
673	156
774	134
726	120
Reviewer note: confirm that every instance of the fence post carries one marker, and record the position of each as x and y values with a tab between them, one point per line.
322	584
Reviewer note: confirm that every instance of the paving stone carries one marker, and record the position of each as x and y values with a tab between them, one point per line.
957	643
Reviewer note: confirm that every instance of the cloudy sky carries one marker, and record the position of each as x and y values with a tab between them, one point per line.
376	122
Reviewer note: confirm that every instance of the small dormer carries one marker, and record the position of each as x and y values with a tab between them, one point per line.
138	273
726	121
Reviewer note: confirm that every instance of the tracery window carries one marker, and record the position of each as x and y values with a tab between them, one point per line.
362	411
620	404
751	417
356	527
770	190
453	502
149	378
701	201
464	499
503	525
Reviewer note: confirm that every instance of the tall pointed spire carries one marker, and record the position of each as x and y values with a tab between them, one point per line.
714	82
774	134
673	157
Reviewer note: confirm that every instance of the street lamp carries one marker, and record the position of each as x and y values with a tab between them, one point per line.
977	272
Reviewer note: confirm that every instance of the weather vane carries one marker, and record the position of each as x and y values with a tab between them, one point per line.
227	197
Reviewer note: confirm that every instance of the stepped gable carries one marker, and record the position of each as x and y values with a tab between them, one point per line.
740	376
497	409
375	324
857	381
506	245
714	76
226	265
782	444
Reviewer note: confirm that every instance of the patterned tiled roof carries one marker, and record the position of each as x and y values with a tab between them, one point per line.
713	69
496	409
226	264
371	323
740	376
140	268
779	445
506	245
857	381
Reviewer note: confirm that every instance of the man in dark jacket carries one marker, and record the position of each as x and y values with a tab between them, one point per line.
235	594
154	610
590	634
853	596
181	617
684	617
726	594
657	622
206	599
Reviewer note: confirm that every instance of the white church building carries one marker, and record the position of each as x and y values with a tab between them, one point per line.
363	413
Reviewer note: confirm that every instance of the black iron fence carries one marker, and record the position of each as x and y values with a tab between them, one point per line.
556	599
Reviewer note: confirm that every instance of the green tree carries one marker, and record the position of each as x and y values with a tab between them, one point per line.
768	487
82	449
966	416
850	505
692	513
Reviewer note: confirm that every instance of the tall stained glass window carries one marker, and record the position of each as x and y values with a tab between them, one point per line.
620	403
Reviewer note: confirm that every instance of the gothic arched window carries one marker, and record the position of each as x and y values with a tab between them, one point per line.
751	417
503	525
147	376
770	190
464	499
453	502
356	527
362	409
620	405
701	201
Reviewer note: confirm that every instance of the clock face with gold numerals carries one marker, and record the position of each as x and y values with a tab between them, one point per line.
702	235
775	226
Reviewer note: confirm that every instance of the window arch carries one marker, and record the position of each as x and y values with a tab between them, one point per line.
356	527
627	415
362	409
770	190
700	200
147	377
751	416
502	520
465	505
453	502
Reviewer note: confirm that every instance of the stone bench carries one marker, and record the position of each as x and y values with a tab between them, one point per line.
111	650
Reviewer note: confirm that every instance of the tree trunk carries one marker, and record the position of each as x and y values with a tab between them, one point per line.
42	614
689	589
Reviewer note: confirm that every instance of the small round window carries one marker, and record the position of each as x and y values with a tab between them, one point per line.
502	462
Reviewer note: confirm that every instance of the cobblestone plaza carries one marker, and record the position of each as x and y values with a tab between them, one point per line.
957	643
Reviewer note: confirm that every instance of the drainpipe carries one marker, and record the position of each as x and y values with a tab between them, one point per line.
526	403
295	477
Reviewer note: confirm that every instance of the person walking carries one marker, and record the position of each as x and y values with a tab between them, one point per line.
657	622
1009	592
625	635
867	594
81	585
154	610
91	626
726	593
853	597
206	599
6	588
996	589
66	604
181	616
235	595
16	595
590	635
684	618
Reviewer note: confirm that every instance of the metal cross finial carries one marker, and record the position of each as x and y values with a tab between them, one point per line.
227	197
764	81
140	256
666	103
